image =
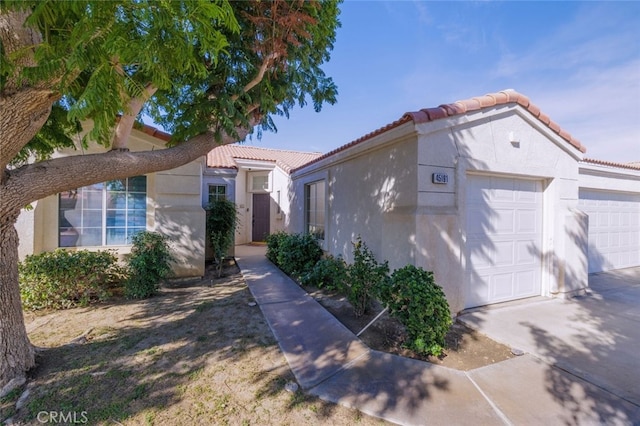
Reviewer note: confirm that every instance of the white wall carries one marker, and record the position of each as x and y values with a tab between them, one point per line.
280	202
503	141
279	182
614	228
594	176
382	190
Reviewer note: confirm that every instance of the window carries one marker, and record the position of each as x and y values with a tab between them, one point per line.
259	183
217	192
103	214
315	209
278	207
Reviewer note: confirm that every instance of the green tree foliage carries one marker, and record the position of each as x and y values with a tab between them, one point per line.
221	226
207	70
211	65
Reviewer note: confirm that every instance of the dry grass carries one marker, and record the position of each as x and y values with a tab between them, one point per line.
195	354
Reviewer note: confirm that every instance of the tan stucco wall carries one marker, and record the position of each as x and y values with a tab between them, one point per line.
173	208
368	194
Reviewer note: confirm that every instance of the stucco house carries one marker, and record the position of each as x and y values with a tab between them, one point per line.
489	193
172	202
105	215
258	181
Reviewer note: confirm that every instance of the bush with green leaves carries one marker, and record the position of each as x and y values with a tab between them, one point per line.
148	264
365	276
330	273
298	253
274	241
420	305
221	227
63	279
295	254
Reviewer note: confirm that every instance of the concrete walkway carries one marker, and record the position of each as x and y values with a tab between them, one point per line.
330	362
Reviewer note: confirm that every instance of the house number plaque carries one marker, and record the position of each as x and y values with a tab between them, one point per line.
440	178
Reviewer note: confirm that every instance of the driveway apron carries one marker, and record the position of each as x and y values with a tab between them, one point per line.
329	361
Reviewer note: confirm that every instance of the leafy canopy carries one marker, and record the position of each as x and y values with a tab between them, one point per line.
213	66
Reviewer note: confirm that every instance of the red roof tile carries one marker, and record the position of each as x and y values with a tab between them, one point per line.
463	107
156	133
632	166
224	156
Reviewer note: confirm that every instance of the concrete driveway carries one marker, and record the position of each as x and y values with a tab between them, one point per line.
594	337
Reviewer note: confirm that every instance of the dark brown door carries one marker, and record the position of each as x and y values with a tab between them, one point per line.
261	217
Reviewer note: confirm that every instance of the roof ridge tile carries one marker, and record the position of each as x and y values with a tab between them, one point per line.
425	115
631	166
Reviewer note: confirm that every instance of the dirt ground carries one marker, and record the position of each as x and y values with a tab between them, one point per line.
198	353
465	348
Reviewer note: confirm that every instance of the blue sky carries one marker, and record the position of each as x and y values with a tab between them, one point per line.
578	61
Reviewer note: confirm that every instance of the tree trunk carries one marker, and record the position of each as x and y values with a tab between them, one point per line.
16	352
35	181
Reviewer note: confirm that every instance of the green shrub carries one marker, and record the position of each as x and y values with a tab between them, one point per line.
365	276
420	305
330	273
63	279
298	254
221	227
274	242
148	264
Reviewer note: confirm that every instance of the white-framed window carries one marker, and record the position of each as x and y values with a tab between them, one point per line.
217	192
103	214
315	208
260	182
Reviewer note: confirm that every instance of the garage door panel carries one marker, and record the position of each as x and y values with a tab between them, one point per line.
503	253
614	228
502	286
525	283
527	221
504	221
504	237
526	254
478	255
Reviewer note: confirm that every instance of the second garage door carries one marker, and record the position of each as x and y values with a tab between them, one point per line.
504	239
614	229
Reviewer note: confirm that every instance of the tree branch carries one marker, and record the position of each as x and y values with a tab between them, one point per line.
23	114
128	118
258	78
35	181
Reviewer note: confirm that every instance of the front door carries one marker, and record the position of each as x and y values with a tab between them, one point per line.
261	217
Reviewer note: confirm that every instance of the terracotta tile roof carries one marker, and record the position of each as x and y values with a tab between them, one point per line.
632	166
156	133
462	107
150	130
224	156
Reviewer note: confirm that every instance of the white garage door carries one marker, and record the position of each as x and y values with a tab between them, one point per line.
504	239
614	229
